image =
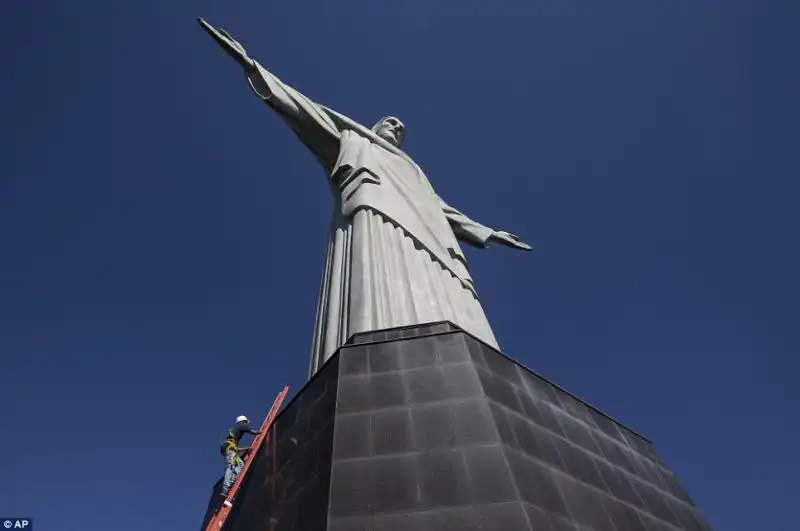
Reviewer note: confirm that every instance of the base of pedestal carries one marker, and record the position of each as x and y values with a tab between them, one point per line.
426	428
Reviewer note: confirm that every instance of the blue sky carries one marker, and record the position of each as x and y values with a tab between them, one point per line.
162	232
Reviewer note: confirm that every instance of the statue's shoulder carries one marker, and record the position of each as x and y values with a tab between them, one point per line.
363	140
350	128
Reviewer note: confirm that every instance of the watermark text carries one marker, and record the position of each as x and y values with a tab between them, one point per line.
17	523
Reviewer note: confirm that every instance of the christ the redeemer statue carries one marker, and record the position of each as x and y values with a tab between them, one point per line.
393	257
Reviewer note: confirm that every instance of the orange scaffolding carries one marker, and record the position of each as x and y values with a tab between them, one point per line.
218	520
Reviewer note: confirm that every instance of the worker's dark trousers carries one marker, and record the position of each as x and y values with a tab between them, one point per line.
235	464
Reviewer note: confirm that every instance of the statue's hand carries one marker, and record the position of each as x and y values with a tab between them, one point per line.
229	44
510	240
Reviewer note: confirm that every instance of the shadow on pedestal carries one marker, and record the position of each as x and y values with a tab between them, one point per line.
426	428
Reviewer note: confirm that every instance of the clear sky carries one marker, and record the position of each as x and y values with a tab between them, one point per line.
162	232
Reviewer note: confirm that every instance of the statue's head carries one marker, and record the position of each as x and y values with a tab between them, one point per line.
390	129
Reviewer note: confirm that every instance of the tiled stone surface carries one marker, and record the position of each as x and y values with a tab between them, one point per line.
430	429
605	475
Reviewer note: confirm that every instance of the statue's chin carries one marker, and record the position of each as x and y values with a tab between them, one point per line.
391	139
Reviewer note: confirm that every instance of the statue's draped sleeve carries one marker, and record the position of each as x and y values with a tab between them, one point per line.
464	228
309	121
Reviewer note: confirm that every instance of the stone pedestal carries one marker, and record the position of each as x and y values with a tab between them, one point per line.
427	429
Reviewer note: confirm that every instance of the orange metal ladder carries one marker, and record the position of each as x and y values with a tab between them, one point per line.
218	520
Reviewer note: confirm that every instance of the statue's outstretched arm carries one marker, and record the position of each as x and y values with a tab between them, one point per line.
474	233
307	119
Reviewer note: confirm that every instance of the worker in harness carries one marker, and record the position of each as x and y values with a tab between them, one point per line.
233	454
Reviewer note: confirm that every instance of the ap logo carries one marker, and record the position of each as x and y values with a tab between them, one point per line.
18	523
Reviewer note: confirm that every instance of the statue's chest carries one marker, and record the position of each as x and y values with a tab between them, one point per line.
363	165
403	174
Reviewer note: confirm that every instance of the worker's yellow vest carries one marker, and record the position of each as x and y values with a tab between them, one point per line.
229	443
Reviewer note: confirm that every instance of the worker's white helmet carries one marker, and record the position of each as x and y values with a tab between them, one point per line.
241	418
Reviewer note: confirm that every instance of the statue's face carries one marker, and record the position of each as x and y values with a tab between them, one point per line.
391	129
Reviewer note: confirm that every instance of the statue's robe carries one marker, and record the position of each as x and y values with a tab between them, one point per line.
393	257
